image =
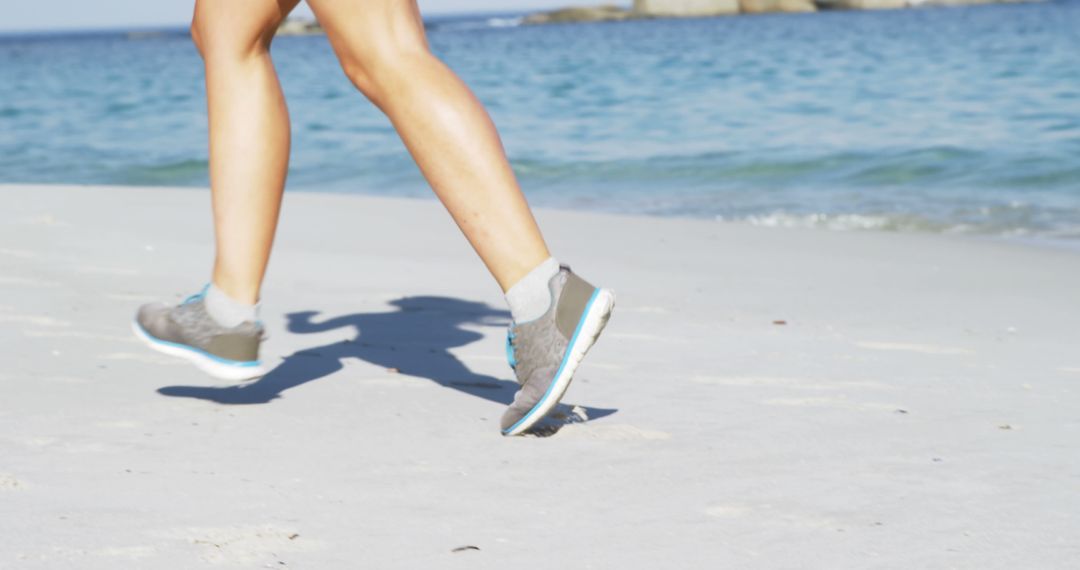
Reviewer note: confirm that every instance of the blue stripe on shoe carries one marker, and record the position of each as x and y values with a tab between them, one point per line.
510	359
573	340
200	352
197	296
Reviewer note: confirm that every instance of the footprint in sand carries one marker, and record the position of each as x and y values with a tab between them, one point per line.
921	348
10	483
244	545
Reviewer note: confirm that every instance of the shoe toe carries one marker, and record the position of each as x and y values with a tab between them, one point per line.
527	398
511	416
152	317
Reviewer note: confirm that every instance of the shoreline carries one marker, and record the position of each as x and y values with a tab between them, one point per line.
1070	245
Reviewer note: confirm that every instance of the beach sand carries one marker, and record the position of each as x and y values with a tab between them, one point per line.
762	398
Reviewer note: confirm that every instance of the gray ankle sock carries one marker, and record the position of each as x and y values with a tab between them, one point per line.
227	311
530	297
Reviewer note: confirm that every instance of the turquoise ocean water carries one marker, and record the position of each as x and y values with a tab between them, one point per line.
939	120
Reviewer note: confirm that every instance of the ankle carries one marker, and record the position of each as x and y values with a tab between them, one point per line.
226	310
530	297
236	288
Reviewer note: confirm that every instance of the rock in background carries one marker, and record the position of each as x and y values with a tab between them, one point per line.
296	27
863	4
667	8
763	6
606	13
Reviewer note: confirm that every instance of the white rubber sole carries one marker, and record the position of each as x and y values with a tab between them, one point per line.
217	369
596	318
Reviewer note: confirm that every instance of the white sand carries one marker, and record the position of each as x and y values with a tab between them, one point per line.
918	410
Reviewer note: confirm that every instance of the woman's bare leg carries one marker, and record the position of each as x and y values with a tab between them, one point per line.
383	50
381	44
249	135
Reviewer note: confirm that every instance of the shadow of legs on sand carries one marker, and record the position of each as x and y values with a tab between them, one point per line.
415	339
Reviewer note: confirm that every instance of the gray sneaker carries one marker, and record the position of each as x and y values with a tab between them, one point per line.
545	352
187	331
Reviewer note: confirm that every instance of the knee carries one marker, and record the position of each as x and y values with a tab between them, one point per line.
377	70
214	36
360	71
